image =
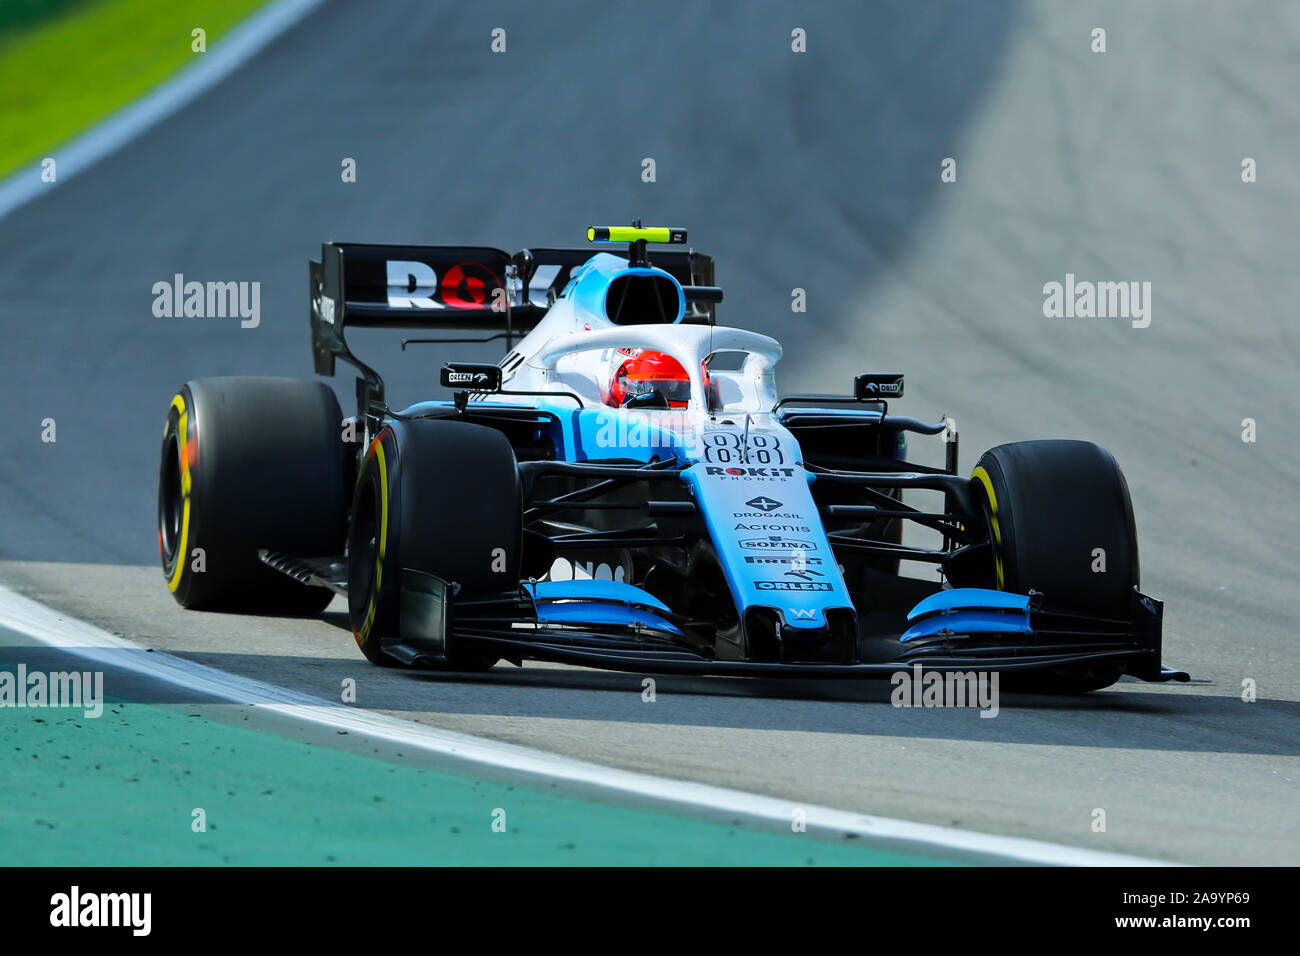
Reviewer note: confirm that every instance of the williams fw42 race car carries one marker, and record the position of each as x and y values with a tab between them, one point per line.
626	489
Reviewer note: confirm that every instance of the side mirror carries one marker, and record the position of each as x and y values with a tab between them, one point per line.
475	378
873	385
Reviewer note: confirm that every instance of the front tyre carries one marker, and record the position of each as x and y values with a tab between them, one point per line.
439	497
1061	523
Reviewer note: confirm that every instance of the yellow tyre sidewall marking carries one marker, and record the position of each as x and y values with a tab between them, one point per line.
982	476
363	634
182	547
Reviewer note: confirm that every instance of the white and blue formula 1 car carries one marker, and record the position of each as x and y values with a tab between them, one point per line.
626	489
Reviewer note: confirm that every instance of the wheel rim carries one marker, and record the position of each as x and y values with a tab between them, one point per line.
362	549
170	499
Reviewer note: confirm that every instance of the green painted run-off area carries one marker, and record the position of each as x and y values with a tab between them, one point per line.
120	790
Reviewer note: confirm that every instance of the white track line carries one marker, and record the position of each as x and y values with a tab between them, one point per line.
84	640
227	54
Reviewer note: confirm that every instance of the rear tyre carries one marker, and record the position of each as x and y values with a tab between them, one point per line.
250	463
1061	522
440	497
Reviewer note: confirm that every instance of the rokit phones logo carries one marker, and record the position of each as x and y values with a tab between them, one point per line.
466	285
750	473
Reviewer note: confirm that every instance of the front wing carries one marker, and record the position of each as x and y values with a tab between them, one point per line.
616	626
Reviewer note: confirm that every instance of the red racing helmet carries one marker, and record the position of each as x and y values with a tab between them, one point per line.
642	371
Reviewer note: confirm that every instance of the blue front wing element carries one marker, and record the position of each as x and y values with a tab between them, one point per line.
965	611
598	604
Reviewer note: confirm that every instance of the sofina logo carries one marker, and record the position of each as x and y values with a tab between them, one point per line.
775	543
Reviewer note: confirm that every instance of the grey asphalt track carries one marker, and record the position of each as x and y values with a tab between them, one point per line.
819	171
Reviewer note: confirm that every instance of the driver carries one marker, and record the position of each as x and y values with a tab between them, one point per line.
635	372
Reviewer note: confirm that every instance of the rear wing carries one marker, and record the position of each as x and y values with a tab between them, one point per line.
409	287
462	288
